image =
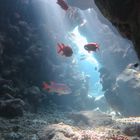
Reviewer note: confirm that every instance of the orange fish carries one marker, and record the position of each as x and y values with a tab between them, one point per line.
59	88
66	50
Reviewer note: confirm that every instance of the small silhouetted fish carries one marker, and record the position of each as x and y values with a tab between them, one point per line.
136	65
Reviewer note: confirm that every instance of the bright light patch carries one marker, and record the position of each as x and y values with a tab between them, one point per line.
89	10
80	41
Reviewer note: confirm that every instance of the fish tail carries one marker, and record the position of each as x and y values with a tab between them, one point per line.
59	48
97	45
46	86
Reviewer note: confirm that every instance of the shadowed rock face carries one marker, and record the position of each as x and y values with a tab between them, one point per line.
122	93
128	87
125	15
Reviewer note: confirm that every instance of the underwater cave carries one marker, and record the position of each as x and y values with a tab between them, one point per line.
69	70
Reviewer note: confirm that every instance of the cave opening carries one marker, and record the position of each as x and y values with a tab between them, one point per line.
54	84
104	66
87	63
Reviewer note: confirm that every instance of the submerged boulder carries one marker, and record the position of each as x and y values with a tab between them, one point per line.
124	96
58	132
11	108
128	87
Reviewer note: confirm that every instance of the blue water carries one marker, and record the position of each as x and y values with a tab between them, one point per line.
89	66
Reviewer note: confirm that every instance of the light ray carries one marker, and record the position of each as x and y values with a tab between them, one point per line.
80	41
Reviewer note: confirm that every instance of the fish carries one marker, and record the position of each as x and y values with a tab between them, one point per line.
136	65
91	47
64	50
63	4
59	88
133	66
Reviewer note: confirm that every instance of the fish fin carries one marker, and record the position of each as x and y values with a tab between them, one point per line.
63	45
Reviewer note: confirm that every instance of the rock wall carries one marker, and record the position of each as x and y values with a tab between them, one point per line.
125	15
118	80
